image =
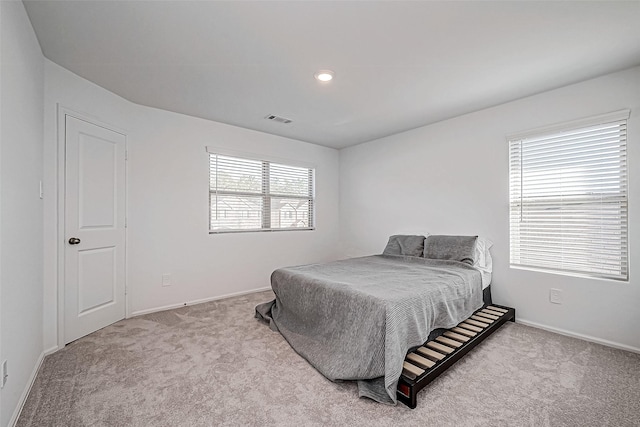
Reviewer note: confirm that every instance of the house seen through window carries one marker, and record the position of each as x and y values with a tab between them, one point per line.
259	195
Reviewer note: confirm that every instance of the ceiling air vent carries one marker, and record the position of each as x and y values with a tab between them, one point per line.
278	119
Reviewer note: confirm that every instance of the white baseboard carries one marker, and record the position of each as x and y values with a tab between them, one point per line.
51	350
579	336
25	393
198	301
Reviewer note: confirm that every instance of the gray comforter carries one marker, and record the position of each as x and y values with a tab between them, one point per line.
356	319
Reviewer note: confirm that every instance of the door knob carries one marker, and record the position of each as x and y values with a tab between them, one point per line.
74	241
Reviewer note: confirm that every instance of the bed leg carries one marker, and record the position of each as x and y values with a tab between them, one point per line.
413	399
407	395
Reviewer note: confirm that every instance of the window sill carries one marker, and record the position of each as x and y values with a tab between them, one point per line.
267	230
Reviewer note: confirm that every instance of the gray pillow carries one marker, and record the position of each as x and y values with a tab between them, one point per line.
405	245
457	248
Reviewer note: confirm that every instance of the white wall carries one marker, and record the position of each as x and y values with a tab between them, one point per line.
168	202
168	212
21	208
452	178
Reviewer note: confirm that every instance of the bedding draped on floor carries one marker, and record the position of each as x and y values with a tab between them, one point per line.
356	319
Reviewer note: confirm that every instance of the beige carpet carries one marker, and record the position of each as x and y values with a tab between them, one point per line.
214	365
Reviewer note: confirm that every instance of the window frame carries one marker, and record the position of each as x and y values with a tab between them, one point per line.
265	194
516	244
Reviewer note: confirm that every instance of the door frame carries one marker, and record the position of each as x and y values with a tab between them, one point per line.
61	113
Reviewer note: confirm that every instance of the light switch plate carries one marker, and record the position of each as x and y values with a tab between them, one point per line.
166	280
4	373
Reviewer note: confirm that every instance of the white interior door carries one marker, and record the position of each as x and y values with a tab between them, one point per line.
94	263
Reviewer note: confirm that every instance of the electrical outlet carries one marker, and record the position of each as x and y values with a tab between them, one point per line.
555	296
166	280
5	373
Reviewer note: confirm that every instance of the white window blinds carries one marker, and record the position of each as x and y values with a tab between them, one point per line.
259	195
568	198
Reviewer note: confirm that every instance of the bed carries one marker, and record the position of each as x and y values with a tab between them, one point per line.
357	319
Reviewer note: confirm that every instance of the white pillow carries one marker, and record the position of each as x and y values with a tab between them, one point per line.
484	262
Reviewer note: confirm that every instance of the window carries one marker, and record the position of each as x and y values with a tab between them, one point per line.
259	195
568	198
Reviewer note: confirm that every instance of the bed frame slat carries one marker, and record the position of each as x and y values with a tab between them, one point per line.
420	361
491	312
449	342
413	369
476	323
481	319
453	335
487	316
441	348
430	353
470	327
463	331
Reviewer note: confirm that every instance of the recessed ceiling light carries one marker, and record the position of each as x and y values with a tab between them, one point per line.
324	75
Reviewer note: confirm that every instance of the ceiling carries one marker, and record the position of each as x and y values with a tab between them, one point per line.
398	65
